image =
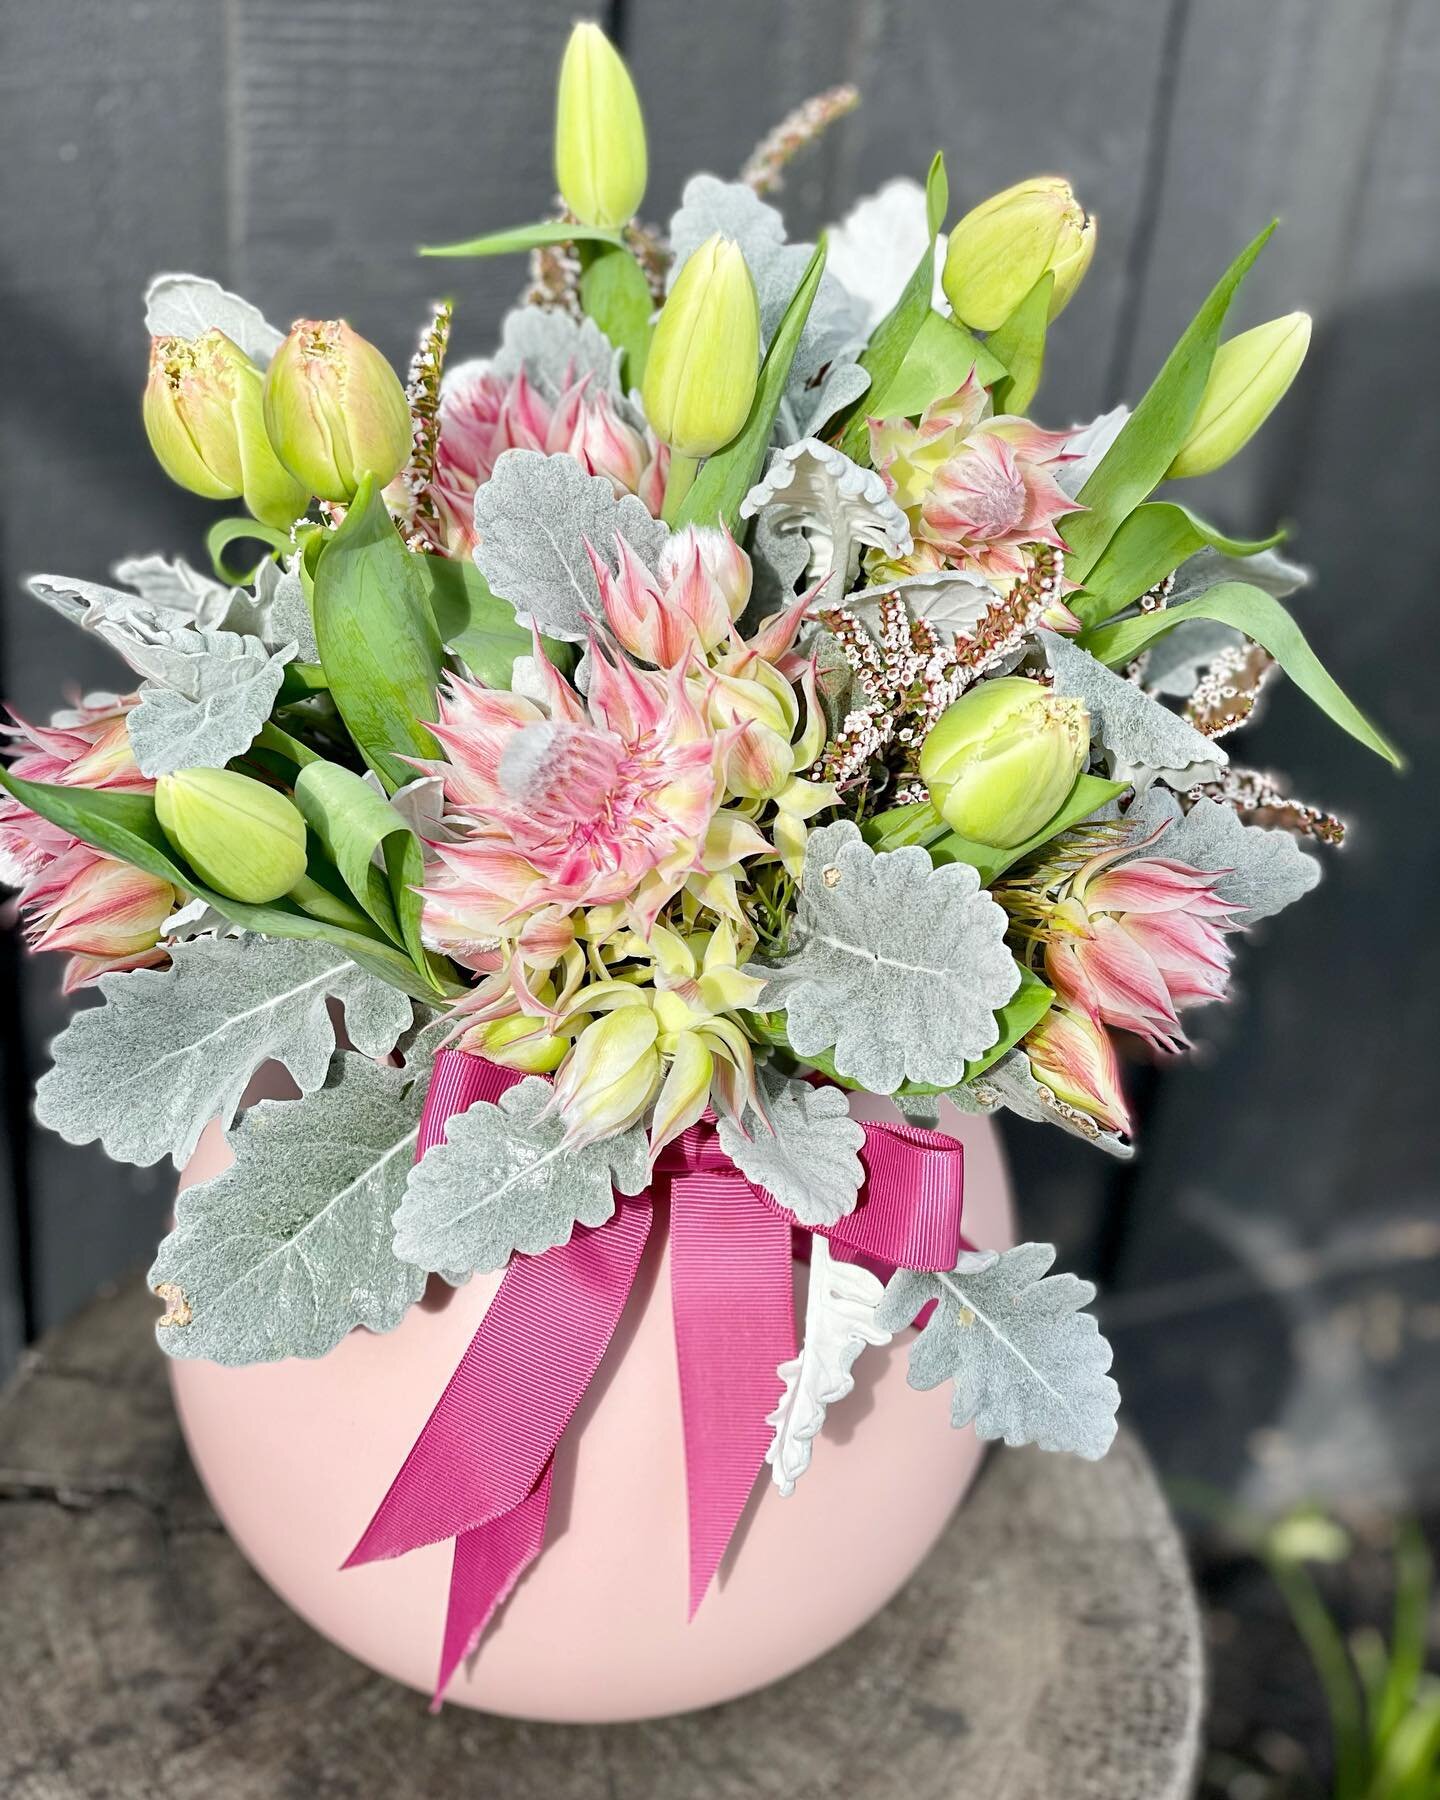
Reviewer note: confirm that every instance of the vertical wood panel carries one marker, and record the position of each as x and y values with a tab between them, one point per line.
1312	1134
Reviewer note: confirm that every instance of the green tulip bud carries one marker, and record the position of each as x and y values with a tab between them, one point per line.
335	409
599	132
245	840
705	355
1001	760
1002	247
1248	379
203	414
520	1042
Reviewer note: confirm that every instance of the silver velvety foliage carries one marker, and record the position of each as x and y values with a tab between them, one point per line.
804	1151
209	695
898	966
289	1248
816	491
553	348
532	518
173	1048
1259	871
187	306
1028	1365
506	1180
839	1323
1143	741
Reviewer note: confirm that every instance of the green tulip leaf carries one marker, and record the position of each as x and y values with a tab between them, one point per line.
940	358
124	826
615	293
1262	618
891	339
1136	462
474	623
1088	795
525	237
726	478
352	821
1020	345
1153	541
378	640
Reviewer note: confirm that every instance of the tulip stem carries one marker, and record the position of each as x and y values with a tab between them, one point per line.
678	485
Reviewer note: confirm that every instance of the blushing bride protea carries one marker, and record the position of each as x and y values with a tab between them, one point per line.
484	414
976	487
105	913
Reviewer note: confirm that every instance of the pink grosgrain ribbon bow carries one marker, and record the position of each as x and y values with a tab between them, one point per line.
480	1470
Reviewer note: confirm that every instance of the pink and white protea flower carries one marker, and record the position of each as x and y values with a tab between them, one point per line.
976	488
105	913
1070	1051
482	415
564	802
1132	941
700	590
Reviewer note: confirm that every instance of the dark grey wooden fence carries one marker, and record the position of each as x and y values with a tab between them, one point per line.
298	150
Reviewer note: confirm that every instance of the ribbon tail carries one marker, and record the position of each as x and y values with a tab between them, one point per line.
730	1277
488	1563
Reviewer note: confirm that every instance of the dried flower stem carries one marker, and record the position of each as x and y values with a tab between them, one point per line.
765	166
1256	796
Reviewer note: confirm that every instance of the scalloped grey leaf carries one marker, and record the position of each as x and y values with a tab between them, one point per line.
805	412
1028	1365
207	696
174	586
778	560
816	491
532	518
505	1180
1174	663
899	967
1264	870
552	348
187	306
876	245
1011	1083
949	600
287	1250
173	1048
1143	741
804	1150
1267	569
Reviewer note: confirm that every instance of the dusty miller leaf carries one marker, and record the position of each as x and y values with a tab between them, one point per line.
1088	444
553	348
506	1180
1267	569
532	518
1143	741
948	600
1264	871
899	967
1028	1365
208	695
187	306
289	1248
815	491
1175	662
804	1151
839	1322
876	245
173	1048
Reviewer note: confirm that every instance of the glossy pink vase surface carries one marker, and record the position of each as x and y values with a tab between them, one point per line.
296	1456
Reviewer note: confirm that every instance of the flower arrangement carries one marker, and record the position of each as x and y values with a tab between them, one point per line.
721	697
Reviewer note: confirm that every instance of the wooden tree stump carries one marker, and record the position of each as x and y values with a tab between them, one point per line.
1048	1650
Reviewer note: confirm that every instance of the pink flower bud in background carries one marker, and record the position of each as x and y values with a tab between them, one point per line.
104	913
1072	1054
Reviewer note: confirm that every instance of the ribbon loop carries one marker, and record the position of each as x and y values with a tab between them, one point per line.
480	1470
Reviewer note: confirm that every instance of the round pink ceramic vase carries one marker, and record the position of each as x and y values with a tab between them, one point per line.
296	1456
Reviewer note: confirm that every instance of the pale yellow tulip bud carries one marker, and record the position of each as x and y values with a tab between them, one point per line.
1002	759
335	409
1002	247
245	840
705	356
599	132
1248	380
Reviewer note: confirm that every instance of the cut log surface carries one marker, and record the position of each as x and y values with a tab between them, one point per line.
1048	1650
